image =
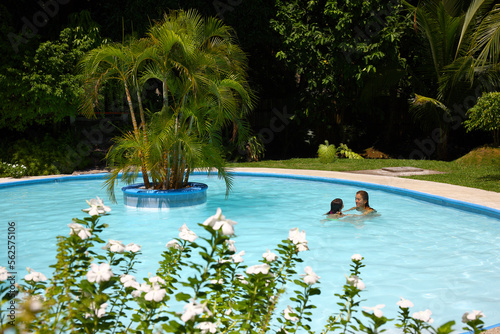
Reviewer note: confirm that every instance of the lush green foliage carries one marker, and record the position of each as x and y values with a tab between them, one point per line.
45	89
328	153
46	156
337	49
462	60
12	170
202	74
92	291
485	115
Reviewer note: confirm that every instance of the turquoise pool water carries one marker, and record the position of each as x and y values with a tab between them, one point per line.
439	257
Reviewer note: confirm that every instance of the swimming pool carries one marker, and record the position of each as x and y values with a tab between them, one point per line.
439	257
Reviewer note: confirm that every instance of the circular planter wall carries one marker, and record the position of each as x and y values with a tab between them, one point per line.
138	197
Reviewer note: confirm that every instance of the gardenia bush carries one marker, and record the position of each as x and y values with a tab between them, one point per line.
12	170
201	286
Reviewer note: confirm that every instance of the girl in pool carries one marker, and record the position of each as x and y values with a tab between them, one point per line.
362	204
336	207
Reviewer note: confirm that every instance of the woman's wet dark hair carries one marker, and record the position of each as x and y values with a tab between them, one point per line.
336	205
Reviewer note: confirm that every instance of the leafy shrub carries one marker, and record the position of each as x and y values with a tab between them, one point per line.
45	157
485	115
328	152
12	170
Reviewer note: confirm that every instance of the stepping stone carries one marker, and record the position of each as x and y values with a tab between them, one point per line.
403	169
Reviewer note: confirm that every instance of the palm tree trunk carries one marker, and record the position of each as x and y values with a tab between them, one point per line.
164	181
145	177
173	169
143	118
186	177
165	94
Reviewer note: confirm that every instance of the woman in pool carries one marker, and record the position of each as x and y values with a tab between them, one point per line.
362	204
336	207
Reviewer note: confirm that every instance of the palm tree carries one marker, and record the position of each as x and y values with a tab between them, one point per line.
463	47
204	90
115	62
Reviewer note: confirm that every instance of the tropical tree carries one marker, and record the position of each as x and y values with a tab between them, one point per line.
337	49
464	49
485	115
204	90
42	87
118	62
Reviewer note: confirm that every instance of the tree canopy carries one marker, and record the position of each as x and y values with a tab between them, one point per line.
343	71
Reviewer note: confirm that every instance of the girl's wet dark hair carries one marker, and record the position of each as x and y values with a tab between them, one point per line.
364	196
335	206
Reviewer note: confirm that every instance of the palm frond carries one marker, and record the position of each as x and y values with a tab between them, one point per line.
427	111
486	40
476	9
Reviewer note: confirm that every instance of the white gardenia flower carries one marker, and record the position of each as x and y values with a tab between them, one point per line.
4	274
231	246
310	276
302	247
287	313
423	316
207	327
259	268
173	244
186	234
134	248
99	273
114	246
376	310
356	257
34	305
97	207
101	310
241	278
404	303
471	316
156	279
226	226
354	281
34	276
238	258
210	221
79	230
219	221
127	280
219	281
156	293
296	236
269	256
140	288
192	309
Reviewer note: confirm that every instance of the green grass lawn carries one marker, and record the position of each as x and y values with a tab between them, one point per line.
484	175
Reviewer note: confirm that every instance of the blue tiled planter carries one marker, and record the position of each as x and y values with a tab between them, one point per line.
136	197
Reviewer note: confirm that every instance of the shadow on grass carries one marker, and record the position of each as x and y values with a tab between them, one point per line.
490	178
